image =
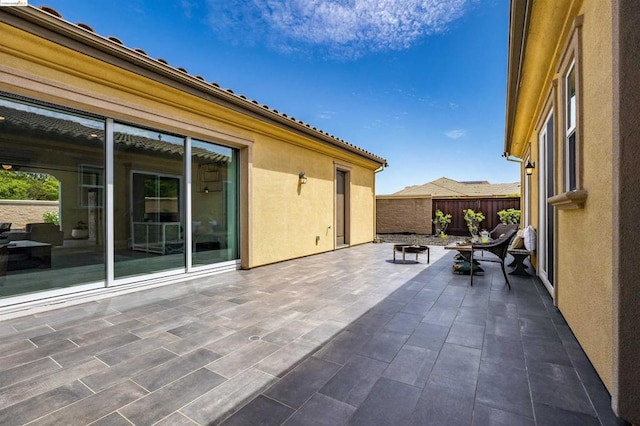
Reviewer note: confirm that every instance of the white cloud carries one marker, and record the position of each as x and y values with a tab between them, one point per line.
341	27
325	115
455	133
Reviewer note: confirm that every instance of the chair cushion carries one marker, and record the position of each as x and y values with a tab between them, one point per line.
517	242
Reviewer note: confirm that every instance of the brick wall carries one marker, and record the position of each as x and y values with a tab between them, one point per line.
403	214
21	212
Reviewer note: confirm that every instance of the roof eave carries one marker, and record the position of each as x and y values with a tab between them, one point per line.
94	40
518	24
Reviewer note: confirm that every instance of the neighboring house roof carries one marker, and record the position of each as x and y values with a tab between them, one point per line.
449	188
50	18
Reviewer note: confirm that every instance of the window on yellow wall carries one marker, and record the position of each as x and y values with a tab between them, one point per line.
570	73
571	169
572	194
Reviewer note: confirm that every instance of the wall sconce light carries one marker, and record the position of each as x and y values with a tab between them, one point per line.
302	178
205	190
528	168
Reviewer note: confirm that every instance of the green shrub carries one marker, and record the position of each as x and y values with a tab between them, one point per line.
441	221
51	217
473	220
509	216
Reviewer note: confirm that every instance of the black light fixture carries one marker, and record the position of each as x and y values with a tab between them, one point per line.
302	178
206	189
528	168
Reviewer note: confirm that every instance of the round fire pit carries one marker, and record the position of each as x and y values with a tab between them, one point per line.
409	248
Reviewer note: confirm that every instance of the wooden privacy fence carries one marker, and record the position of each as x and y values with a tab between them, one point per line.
488	206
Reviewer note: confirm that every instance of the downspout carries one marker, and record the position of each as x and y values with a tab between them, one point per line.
381	168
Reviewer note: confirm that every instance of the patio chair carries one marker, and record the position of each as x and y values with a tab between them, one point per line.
501	229
498	248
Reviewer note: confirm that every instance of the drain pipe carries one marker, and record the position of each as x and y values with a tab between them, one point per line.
381	168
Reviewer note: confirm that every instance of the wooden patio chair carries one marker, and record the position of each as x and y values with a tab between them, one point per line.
498	248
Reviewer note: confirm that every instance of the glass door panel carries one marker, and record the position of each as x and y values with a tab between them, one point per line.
52	222
214	203
546	231
148	206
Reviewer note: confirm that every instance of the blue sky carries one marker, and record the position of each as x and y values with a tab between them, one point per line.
419	82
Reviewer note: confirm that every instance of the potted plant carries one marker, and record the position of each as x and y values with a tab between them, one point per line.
80	231
473	220
441	222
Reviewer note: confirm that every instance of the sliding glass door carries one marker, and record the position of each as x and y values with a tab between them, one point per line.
89	203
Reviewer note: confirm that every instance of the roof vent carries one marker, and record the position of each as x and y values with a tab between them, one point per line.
183	70
229	90
199	77
85	26
214	84
163	61
142	52
51	11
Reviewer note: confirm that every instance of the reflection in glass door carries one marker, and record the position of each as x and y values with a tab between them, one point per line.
52	174
148	206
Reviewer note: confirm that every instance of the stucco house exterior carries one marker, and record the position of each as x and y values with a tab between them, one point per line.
572	112
173	177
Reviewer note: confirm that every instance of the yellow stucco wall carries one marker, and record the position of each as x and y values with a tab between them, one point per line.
583	236
284	218
585	275
288	217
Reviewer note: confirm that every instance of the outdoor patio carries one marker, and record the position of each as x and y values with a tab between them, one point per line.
346	337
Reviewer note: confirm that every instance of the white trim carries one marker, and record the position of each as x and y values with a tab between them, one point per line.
188	220
109	203
543	220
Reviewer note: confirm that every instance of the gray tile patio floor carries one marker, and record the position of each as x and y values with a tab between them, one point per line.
346	337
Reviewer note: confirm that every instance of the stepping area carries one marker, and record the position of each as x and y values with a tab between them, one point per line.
345	337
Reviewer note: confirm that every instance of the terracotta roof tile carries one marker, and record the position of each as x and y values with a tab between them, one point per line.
115	40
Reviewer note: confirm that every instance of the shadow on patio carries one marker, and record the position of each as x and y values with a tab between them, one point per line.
341	337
